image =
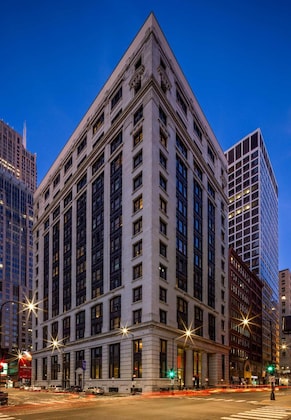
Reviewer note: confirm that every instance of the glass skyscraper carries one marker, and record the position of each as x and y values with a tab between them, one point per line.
17	184
253	224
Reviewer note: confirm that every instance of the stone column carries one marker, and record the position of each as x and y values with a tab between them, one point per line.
189	368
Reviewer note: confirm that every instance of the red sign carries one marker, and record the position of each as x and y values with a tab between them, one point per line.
24	372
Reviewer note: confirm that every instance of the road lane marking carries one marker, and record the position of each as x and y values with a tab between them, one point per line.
263	413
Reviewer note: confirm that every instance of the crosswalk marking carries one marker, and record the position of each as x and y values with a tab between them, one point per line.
263	413
6	417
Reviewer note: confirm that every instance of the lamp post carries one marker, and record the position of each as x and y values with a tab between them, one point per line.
125	333
58	345
28	306
187	334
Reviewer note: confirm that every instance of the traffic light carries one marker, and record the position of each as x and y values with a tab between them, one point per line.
2	363
171	374
271	369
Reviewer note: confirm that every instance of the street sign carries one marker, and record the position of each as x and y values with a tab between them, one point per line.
84	364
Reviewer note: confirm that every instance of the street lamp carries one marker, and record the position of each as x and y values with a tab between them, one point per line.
29	306
186	337
59	345
125	332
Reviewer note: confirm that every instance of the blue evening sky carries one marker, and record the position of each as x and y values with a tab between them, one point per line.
236	55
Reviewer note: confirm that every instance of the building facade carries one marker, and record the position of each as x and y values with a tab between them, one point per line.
131	237
253	226
285	325
17	185
15	159
245	323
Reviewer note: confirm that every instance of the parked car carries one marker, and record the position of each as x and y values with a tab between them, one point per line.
3	398
74	388
95	390
56	388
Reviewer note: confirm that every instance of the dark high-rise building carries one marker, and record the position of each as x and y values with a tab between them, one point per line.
17	185
253	226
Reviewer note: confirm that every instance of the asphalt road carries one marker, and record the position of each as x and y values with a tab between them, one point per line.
46	406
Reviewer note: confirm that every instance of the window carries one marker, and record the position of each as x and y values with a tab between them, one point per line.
116	116
66	329
211	326
138	115
163	294
181	101
56	212
210	153
96	363
182	313
137	181
211	190
163	182
137	226
97	164
116	98
163	160
137	204
82	183
56	180
197	130
137	358
137	271
114	360
99	122
163	358
163	139
181	146
163	249
163	316
163	271
116	142
55	328
136	317
80	325
98	140
81	146
137	64
137	249
137	294
68	164
163	205
68	198
162	116
198	320
96	319
137	159
115	312
54	367
163	227
137	137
